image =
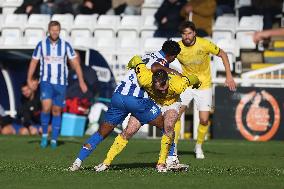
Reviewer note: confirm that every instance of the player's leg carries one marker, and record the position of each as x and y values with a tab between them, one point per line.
23	131
34	129
114	116
58	101
120	143
170	118
204	103
46	93
8	130
55	124
145	111
91	144
186	97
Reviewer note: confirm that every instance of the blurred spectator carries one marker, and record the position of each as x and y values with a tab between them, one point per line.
9	126
48	7
56	7
202	13
168	18
29	7
94	6
268	9
128	7
29	111
266	34
28	114
225	7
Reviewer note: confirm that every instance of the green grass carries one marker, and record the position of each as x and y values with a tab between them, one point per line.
228	164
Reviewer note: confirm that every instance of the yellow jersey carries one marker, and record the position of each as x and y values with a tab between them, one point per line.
177	85
195	59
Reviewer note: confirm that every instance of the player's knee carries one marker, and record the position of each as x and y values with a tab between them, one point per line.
23	131
56	111
87	146
8	130
126	135
33	131
169	130
203	121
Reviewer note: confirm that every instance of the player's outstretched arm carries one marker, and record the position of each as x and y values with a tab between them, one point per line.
230	83
75	63
31	71
179	84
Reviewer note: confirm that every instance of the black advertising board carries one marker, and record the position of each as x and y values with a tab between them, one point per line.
251	113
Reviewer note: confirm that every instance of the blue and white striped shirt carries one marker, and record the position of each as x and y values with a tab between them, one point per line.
129	85
53	60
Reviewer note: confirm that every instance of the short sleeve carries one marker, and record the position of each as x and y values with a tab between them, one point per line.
211	47
37	51
70	51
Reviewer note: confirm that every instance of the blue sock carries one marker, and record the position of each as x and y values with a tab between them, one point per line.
56	124
172	149
94	140
44	118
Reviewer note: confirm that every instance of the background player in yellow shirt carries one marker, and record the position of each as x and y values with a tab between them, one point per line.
165	90
195	59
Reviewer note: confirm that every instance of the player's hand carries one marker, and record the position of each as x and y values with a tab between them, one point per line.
135	60
83	86
230	83
32	84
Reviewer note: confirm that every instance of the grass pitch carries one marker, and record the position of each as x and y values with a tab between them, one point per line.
228	164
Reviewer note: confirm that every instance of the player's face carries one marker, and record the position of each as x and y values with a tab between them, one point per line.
171	58
26	91
161	89
188	36
54	32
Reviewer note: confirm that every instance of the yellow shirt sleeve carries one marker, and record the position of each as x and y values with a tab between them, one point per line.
144	75
178	84
211	47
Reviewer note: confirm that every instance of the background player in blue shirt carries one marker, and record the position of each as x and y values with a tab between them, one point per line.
52	53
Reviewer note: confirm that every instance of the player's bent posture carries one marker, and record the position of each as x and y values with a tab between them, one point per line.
52	52
129	97
165	89
195	59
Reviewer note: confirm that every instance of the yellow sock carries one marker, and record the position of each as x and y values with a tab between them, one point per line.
177	131
165	146
202	131
117	146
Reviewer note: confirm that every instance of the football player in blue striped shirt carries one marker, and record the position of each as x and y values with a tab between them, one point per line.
129	97
53	53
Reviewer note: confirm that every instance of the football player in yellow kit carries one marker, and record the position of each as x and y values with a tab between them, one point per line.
165	90
195	59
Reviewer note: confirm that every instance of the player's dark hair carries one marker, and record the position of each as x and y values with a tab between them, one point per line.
171	48
187	24
53	23
160	76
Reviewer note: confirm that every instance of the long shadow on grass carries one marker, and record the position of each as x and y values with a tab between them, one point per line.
205	152
59	143
123	166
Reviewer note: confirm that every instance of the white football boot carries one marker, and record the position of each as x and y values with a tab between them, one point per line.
76	165
198	152
172	161
101	167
